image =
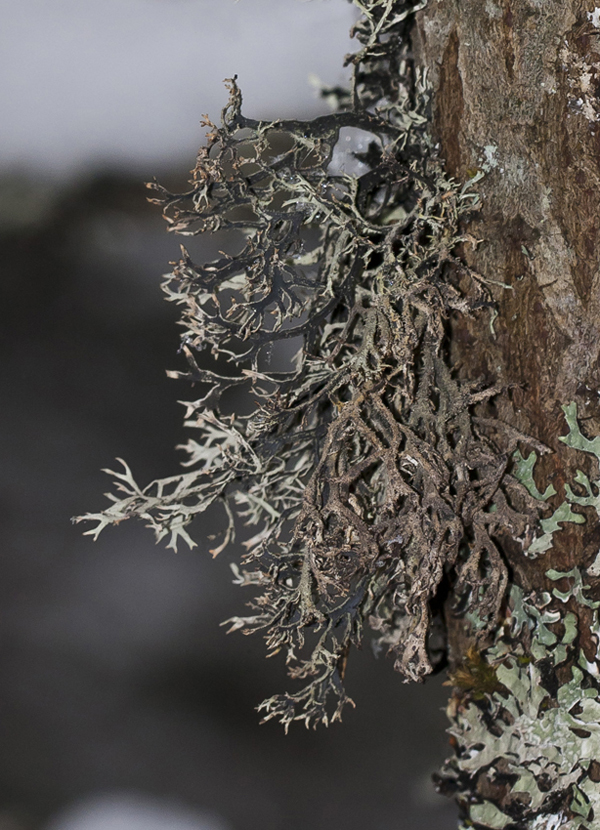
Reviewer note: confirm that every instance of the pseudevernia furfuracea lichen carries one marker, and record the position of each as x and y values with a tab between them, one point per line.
536	732
360	468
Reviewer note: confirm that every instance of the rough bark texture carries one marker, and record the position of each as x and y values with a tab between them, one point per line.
516	86
517	95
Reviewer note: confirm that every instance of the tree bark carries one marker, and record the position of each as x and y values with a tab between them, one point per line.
515	97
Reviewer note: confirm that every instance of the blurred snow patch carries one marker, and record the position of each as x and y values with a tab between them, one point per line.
132	811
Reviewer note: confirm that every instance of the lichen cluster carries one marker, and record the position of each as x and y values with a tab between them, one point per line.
362	472
528	747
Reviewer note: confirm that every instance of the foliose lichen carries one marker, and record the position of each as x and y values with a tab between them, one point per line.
528	751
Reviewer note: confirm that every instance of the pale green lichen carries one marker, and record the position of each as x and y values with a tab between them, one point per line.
523	471
563	513
575	590
535	739
519	731
488	814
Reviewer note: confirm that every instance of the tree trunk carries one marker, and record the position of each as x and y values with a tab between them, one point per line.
515	92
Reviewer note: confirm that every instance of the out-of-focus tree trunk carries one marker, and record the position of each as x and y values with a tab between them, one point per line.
517	95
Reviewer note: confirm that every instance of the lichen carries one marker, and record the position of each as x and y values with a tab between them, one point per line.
523	471
363	471
575	590
519	736
528	751
594	18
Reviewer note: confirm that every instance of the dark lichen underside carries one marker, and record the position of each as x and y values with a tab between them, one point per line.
363	468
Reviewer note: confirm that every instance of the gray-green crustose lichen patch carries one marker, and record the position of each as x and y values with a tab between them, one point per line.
576	588
549	526
539	735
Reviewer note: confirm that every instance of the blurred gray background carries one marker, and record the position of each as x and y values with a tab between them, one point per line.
123	705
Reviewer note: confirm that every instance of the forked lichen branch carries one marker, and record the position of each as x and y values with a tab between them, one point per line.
362	470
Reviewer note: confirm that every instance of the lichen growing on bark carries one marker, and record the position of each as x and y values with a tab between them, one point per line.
528	751
364	472
544	750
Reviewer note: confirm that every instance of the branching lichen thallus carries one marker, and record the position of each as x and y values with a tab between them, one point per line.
362	469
